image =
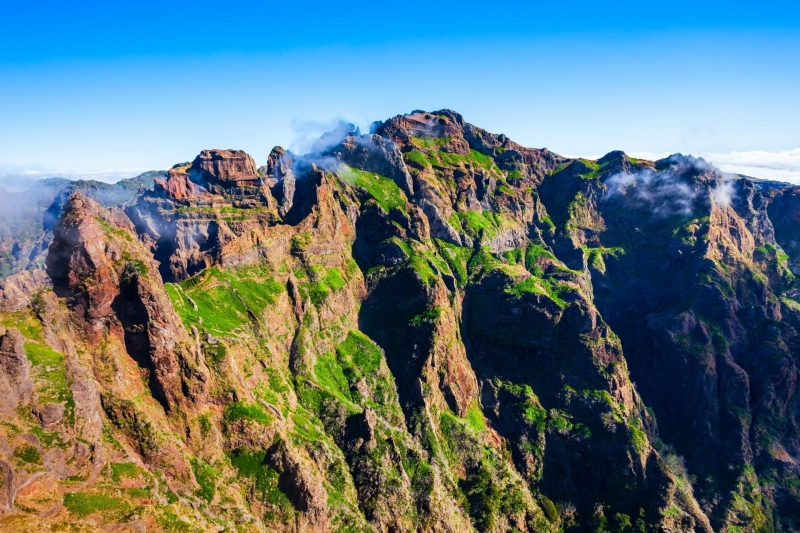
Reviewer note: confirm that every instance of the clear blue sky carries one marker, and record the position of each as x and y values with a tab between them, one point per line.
115	86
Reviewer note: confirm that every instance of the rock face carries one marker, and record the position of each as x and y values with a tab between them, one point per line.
373	153
429	328
15	372
281	178
112	286
17	291
224	166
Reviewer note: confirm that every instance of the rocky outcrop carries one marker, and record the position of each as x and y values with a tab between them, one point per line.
15	372
178	186
374	153
113	288
227	167
281	179
17	291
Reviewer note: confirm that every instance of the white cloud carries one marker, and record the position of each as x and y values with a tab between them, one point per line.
778	166
781	166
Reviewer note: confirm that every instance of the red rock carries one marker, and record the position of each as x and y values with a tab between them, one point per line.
225	166
15	372
178	186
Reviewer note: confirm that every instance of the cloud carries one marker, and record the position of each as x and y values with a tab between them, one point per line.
780	166
724	192
663	193
15	179
316	135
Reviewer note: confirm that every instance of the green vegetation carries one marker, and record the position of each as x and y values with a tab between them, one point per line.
428	316
111	231
514	257
321	282
206	476
120	471
331	377
594	167
28	454
457	258
422	261
483	224
483	496
355	358
429	142
534	413
384	190
84	503
542	286
263	478
52	384
595	257
482	260
532	254
24	321
359	354
171	522
220	301
417	157
474	418
577	212
243	411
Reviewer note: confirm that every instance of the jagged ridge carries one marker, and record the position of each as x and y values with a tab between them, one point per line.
429	327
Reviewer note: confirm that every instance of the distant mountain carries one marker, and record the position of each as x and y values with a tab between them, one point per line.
428	328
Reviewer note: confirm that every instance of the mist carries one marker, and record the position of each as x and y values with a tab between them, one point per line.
664	190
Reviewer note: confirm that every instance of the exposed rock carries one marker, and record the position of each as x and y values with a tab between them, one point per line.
281	178
16	291
112	287
178	186
373	153
229	167
49	414
303	488
15	372
452	362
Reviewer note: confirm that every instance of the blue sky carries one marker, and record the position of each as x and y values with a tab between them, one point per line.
107	89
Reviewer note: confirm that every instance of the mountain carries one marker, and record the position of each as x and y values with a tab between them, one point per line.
424	328
27	218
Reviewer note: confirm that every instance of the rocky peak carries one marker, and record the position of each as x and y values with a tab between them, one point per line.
280	178
447	357
279	164
178	186
228	167
401	128
113	288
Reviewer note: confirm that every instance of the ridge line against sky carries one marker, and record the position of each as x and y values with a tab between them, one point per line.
88	86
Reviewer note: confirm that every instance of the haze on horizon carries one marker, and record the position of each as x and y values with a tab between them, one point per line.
108	91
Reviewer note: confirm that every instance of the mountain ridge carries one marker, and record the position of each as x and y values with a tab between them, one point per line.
424	328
